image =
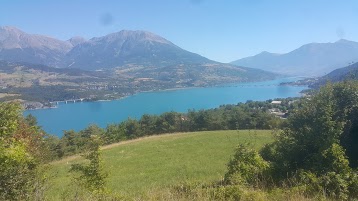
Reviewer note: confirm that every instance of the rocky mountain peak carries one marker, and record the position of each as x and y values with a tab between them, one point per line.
128	35
76	40
14	38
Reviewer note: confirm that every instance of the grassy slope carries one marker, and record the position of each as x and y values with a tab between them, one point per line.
137	166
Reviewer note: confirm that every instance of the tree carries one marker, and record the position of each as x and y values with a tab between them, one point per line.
148	124
168	122
10	113
132	129
246	167
114	133
91	176
320	140
69	144
22	153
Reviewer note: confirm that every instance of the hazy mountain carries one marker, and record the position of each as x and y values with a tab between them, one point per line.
129	48
16	45
313	59
338	75
76	40
341	74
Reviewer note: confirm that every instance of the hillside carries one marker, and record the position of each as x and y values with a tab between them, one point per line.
314	59
35	82
137	167
341	74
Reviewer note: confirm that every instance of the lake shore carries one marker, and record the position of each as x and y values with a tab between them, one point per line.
104	112
242	84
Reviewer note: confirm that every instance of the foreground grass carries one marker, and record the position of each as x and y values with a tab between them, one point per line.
143	165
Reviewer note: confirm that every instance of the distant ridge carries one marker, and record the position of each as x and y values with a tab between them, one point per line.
314	59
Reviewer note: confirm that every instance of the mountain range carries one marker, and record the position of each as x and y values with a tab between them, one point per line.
41	68
118	49
140	48
144	51
314	59
134	53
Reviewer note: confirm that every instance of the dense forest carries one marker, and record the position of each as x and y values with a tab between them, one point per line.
314	152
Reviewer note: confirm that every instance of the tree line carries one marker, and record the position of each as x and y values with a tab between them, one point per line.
249	115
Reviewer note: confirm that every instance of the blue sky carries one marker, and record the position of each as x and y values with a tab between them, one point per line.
223	30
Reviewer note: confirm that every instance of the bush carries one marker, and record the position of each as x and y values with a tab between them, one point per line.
22	154
91	176
246	167
317	149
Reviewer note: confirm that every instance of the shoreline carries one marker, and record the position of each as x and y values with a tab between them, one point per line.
160	90
79	116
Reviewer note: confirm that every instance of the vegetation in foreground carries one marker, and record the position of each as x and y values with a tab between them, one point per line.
313	157
23	156
138	166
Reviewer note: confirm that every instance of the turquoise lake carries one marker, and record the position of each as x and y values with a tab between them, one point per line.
77	116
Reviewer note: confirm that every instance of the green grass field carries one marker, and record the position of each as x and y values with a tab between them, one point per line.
139	166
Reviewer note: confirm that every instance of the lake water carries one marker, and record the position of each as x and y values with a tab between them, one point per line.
77	116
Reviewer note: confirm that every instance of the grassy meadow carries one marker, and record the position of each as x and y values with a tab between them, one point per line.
139	166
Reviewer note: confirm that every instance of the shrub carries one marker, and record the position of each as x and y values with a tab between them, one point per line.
246	167
318	146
